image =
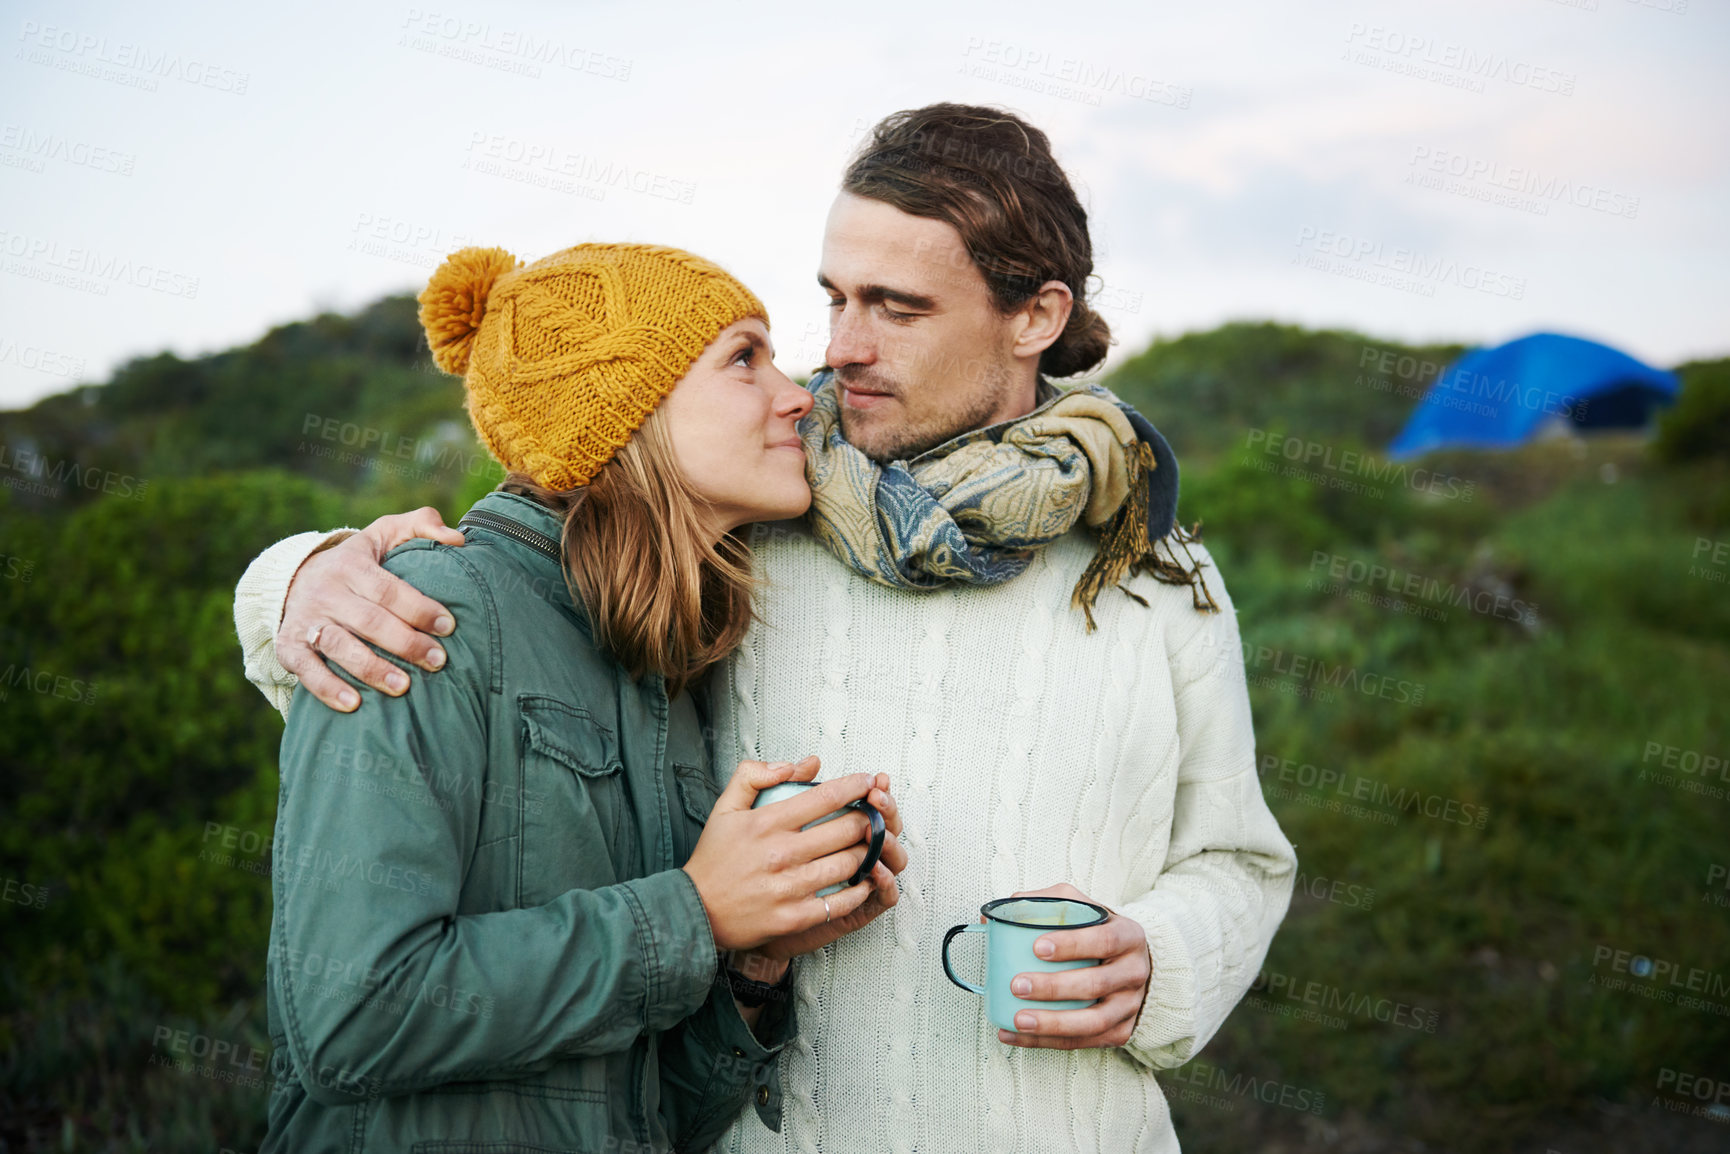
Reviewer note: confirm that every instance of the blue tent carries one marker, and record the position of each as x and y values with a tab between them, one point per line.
1498	398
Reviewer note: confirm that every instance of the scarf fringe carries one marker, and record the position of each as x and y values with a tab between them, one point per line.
1125	551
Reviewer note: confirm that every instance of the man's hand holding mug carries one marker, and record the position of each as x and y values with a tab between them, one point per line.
1110	968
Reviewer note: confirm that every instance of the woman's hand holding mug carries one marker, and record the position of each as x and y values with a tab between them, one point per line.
884	892
758	871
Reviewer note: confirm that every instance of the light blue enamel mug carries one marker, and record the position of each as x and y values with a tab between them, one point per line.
1011	927
873	841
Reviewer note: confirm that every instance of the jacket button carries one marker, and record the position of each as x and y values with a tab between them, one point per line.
762	1095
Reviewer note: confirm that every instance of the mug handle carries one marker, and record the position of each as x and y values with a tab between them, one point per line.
874	849
965	928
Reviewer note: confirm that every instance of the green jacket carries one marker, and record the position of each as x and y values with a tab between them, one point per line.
482	939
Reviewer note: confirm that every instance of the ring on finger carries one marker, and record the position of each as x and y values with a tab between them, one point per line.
827	913
312	634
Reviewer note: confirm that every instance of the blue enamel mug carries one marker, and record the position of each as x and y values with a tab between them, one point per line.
873	845
1011	927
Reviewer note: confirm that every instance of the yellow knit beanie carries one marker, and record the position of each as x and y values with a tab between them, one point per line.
565	358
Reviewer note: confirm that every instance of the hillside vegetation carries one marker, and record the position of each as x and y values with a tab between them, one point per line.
1479	681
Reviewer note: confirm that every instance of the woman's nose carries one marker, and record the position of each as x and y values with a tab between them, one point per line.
794	400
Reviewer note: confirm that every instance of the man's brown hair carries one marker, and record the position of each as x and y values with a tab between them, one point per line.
991	175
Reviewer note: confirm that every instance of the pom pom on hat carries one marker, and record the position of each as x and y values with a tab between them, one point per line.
455	300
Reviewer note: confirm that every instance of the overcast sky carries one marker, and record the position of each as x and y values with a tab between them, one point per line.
184	176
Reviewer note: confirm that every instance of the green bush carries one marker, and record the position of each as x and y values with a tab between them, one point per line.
1697	426
1543	733
131	602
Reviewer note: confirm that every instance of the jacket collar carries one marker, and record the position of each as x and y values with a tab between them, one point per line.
539	522
526	512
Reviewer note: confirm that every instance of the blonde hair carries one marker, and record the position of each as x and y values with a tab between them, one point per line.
660	595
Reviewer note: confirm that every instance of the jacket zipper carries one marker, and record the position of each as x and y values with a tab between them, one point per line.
534	539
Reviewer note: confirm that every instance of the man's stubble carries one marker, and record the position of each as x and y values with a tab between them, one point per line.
903	441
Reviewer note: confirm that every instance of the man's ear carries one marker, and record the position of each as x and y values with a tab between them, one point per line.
1042	319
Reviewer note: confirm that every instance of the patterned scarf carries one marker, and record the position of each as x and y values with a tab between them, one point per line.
979	506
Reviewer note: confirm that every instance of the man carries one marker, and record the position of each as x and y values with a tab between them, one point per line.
946	613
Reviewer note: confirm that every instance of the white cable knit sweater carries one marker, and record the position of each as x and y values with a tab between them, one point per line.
1023	752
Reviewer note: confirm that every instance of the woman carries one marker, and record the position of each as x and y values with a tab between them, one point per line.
505	899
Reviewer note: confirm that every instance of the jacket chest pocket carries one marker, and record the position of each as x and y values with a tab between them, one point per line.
698	792
577	832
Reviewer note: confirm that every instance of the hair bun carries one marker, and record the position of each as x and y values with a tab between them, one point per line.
455	300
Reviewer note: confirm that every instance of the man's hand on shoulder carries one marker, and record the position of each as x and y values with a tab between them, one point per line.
343	597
